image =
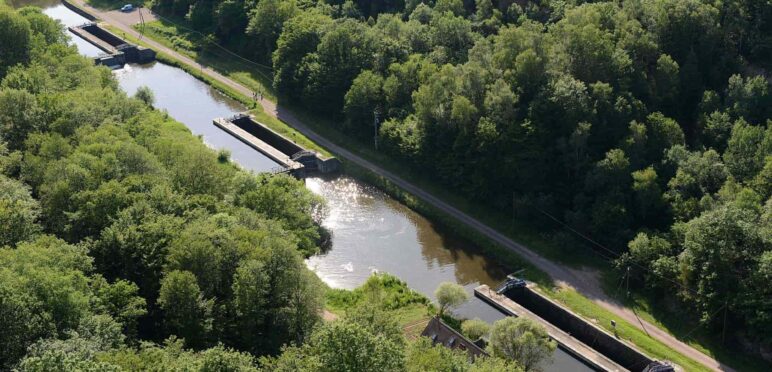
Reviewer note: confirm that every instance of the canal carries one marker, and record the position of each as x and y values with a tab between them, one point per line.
370	230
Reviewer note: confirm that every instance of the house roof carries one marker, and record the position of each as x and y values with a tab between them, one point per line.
441	333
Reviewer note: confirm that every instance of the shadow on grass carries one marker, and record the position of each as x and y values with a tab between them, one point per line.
176	33
684	326
233	66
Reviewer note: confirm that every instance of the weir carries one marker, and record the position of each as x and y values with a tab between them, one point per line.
584	340
119	52
293	158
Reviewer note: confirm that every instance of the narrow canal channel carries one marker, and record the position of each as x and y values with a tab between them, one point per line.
371	231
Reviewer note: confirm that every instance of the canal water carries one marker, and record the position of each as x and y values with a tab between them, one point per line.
371	232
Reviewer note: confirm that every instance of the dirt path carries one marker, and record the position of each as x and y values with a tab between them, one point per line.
585	282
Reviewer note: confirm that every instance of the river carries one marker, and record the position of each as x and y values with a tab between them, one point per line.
370	230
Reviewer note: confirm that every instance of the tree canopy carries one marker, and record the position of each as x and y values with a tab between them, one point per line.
615	118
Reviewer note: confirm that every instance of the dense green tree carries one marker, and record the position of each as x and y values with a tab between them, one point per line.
450	296
423	355
723	249
15	35
231	17
522	340
145	95
285	199
18	212
172	355
648	201
475	328
45	30
266	22
343	51
343	346
187	313
749	98
377	320
19	116
362	101
698	175
666	84
453	6
301	35
747	149
46	291
135	247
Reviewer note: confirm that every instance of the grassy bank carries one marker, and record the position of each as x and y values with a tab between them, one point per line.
254	109
172	33
407	306
501	220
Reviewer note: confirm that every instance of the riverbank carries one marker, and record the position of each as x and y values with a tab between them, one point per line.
589	308
361	151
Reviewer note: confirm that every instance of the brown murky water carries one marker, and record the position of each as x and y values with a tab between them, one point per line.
370	231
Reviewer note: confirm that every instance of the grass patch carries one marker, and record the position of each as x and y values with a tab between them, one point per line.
408	307
385	289
602	317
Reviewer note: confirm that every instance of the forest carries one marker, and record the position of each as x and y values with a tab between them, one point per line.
127	244
643	125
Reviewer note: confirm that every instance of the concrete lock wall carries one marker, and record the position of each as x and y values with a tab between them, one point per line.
268	136
104	35
580	329
80	11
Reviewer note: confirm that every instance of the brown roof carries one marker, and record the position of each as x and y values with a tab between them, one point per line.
441	333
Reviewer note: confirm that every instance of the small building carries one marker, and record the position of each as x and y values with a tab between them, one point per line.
441	333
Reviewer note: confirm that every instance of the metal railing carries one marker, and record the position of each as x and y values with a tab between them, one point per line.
301	153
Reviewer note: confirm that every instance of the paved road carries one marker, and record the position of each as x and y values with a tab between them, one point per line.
585	282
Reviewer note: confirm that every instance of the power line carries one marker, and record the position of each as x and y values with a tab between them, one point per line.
215	43
617	255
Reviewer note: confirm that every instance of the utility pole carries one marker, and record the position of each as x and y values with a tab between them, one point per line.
627	286
723	329
376	118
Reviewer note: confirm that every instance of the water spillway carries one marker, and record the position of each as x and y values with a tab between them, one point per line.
370	230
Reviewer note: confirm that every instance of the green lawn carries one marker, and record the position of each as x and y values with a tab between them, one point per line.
502	220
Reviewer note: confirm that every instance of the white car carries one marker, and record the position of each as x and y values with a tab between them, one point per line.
127	8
